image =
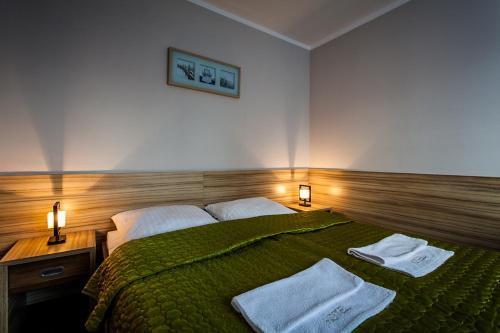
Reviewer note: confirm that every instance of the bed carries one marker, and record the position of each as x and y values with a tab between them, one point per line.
185	280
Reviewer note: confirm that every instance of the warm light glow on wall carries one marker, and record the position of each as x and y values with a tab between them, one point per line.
281	189
61	218
336	190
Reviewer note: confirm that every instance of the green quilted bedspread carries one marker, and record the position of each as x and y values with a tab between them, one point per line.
185	280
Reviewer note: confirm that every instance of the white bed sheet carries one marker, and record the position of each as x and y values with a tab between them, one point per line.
113	240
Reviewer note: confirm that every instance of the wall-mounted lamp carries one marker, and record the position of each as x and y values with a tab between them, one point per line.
305	195
56	219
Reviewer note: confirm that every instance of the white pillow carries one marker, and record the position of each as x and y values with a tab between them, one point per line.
113	240
139	223
245	208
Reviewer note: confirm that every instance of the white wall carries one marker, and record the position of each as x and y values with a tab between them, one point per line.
417	90
82	87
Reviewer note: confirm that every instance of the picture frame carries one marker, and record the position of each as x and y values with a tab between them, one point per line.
192	71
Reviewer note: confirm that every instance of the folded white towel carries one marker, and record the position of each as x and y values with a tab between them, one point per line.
322	298
404	254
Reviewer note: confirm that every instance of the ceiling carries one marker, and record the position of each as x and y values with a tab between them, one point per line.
306	23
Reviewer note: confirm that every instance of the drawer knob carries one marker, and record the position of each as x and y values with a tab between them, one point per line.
51	272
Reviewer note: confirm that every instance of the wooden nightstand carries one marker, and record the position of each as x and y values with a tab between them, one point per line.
314	207
33	269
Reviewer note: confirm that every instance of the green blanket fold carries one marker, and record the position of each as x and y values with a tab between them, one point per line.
142	258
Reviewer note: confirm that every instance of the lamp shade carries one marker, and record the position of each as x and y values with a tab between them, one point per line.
61	219
305	193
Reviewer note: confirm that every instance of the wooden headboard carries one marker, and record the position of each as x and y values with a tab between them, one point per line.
91	199
456	208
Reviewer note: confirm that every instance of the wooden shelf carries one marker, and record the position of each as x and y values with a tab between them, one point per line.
312	208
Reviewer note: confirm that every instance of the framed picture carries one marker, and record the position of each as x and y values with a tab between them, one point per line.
192	71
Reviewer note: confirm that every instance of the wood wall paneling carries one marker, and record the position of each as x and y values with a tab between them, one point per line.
280	185
91	199
456	208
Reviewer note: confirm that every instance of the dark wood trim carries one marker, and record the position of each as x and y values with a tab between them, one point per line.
104	246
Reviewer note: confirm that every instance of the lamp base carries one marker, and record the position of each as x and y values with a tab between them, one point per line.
57	240
303	204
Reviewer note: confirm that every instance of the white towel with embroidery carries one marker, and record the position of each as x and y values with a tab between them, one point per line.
322	298
411	256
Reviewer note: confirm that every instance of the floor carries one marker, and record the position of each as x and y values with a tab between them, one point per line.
67	314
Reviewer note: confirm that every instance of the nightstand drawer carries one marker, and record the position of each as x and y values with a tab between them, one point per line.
41	274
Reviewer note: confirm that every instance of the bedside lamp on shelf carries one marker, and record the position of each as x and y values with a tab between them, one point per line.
305	195
56	219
